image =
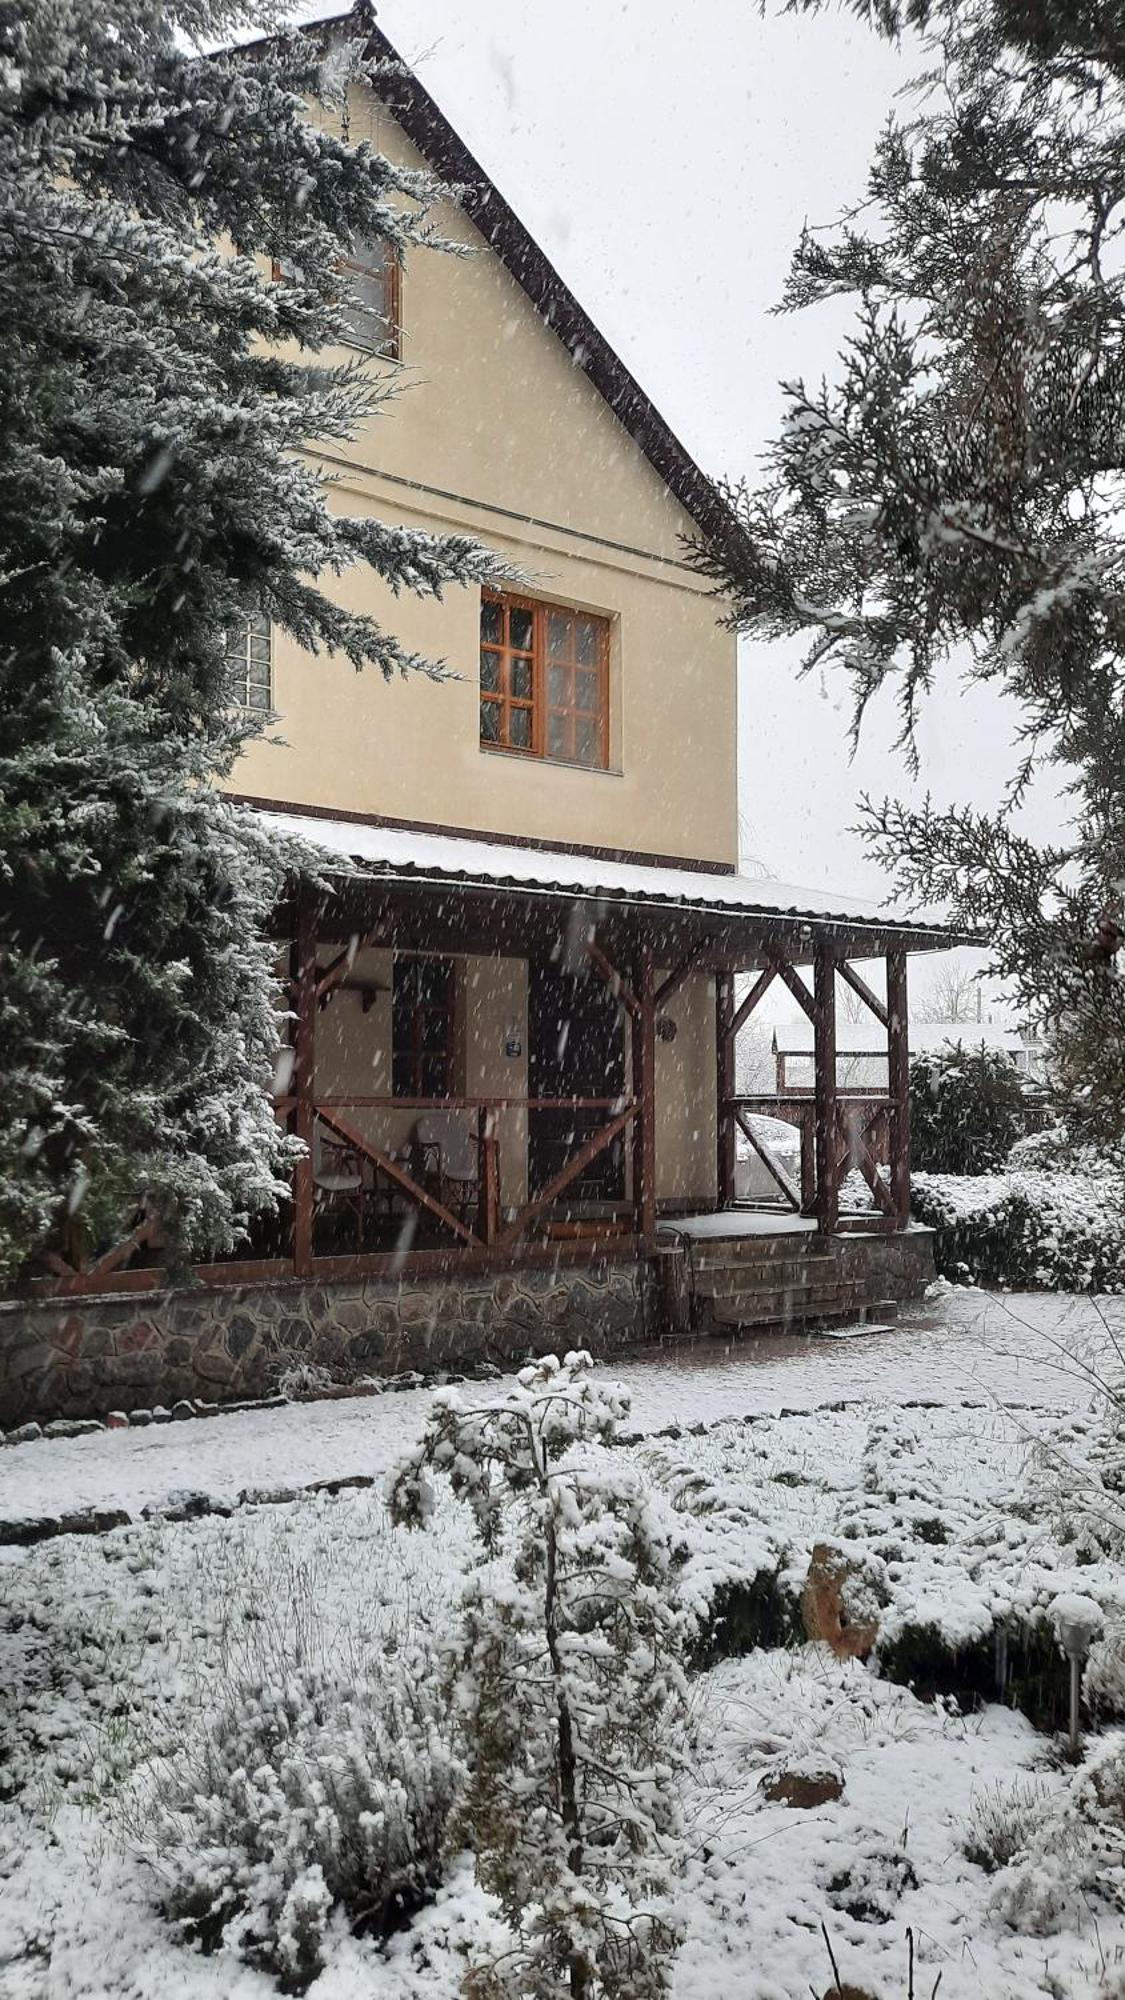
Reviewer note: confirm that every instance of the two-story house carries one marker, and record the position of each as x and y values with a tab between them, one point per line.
514	1015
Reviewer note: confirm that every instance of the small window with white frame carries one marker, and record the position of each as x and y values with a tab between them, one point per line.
249	653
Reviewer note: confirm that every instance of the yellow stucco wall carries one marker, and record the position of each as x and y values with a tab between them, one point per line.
353	1053
353	1060
686	1131
497	433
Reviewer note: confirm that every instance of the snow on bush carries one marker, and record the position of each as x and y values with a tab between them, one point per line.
315	1790
264	1734
967	1108
1074	1852
570	1684
1053	1150
1027	1230
1002	1822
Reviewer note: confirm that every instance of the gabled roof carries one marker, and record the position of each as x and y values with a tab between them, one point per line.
425	124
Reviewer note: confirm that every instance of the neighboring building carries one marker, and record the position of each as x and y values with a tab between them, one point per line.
514	1020
861	1057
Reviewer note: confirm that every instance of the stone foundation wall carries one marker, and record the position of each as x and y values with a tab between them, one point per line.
86	1357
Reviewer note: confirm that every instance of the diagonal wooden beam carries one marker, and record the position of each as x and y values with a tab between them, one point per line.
790	976
859	985
121	1252
676	978
760	987
782	1179
339	967
595	1144
866	1165
394	1172
618	986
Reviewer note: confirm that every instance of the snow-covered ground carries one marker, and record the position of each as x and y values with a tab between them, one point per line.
1023	1348
114	1647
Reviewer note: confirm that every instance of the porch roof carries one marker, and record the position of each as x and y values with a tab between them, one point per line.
414	857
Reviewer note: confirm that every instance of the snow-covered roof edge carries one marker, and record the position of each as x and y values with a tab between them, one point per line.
416	855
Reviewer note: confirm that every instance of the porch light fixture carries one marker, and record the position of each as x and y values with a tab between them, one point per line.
666	1029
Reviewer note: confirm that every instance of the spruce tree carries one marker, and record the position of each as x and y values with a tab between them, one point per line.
952	492
159	394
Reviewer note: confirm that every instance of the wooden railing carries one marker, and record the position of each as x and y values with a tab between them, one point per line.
862	1139
490	1226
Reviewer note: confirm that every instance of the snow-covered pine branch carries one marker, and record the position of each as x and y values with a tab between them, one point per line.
163	404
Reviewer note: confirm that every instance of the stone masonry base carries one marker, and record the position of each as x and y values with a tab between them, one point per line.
86	1357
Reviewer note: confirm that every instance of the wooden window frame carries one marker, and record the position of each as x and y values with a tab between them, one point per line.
240	660
452	1052
390	347
538	704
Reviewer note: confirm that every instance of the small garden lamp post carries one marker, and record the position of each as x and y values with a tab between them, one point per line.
1078	1621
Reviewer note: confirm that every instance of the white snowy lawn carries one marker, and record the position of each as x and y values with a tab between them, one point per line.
113	1647
1032	1348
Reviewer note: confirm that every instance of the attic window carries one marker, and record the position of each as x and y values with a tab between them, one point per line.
372	298
371	294
544	680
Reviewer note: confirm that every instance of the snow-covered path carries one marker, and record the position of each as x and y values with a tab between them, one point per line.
1018	1348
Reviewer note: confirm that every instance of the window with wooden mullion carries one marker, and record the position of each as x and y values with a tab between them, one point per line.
509	673
422	1026
544	680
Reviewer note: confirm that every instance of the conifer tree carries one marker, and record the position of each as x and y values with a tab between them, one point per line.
956	484
158	396
569	1685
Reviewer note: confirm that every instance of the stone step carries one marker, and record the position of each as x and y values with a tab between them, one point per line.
793	1299
771	1277
738	1312
761	1249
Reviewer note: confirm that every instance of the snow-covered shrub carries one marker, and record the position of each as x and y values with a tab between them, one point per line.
1074	1851
570	1684
1002	1822
1103	1679
303	1381
312	1792
866	1884
966	1109
1035	1231
1055	1151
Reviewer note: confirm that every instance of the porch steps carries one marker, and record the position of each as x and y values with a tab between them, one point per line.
792	1279
759	1312
792	1247
795	1293
782	1274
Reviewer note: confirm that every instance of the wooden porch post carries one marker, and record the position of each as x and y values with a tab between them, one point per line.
644	1093
898	1085
824	1047
724	1087
488	1176
304	1051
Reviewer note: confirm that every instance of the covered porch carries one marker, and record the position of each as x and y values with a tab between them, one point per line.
497	1056
500	1055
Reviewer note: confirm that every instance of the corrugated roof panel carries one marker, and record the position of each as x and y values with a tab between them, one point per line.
437	857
